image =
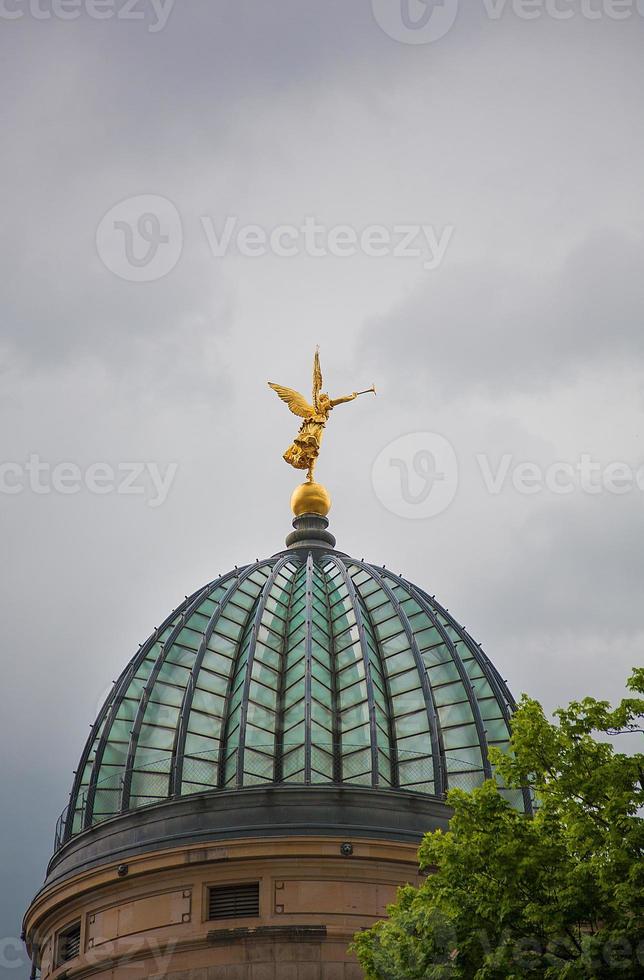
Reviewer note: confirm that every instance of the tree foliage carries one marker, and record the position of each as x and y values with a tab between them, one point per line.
558	894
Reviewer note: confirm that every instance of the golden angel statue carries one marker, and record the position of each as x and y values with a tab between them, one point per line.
305	449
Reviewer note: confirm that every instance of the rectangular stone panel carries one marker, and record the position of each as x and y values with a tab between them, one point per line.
142	915
329	897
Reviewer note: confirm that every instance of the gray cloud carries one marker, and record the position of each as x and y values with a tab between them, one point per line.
502	330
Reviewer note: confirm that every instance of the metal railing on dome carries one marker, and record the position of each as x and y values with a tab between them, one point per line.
197	777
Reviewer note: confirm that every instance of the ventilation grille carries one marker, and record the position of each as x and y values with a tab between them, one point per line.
234	901
69	943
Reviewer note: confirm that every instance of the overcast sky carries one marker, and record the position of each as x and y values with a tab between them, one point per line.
450	205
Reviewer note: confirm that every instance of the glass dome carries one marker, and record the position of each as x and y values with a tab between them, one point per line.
307	668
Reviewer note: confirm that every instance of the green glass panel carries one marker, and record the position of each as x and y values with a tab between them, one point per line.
356	764
259	737
201	745
462	735
227	628
260	716
152	735
115	754
106	801
347	637
212	683
404	682
295	673
198	621
322	762
410	701
410	724
482	688
394	645
496	730
352	695
413	745
415	771
189	639
294	714
168	694
263	696
127	712
463	760
161	714
455	714
322	713
265	675
384	612
209	703
355	715
352	654
120	731
349	675
356	738
200	771
204	724
258	765
222	644
321	736
270	639
489	709
449	694
295	734
293	762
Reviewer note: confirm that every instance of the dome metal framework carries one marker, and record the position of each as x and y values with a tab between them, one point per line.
306	668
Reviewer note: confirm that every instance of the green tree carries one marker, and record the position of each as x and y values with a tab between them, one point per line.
558	894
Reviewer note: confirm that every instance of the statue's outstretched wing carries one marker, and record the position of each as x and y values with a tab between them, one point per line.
295	401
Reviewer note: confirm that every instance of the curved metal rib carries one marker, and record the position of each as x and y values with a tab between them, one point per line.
279	716
308	656
176	776
373	731
123	685
336	734
428	608
261	606
438	760
502	693
147	691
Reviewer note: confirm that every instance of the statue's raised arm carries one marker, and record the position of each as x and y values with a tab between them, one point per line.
342	401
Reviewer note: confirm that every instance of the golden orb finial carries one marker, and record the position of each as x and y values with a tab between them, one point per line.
311	498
